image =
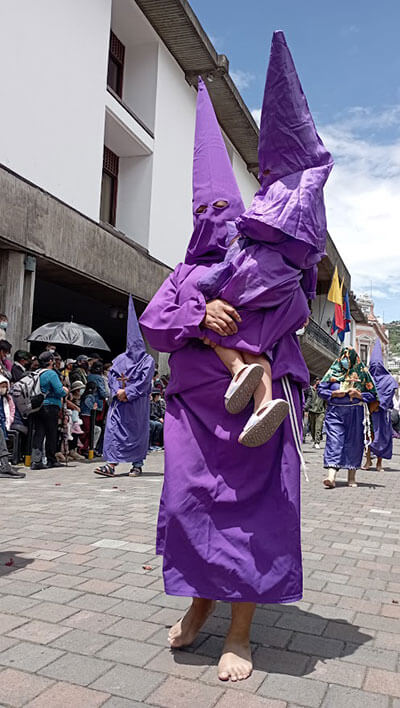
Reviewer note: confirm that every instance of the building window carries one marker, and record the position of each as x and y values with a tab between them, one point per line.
364	353
115	72
109	187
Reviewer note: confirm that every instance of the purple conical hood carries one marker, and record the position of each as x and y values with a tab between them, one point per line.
213	181
385	384
135	345
294	164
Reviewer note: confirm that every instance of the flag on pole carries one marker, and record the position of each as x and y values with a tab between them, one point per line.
346	317
335	291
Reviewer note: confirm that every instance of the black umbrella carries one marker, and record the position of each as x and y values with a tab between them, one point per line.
70	333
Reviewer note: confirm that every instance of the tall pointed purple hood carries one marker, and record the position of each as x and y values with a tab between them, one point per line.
135	358
213	181
385	383
294	165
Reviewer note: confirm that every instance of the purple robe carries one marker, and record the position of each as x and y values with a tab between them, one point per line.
126	437
229	520
386	385
344	428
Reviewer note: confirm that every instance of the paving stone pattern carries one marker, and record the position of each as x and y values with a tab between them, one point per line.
82	623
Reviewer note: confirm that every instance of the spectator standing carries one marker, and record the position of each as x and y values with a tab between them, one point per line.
7	407
315	407
157	383
5	364
6	470
21	365
88	404
45	421
3	326
34	364
79	370
156	420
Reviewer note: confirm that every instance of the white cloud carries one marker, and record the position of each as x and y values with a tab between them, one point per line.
242	79
362	198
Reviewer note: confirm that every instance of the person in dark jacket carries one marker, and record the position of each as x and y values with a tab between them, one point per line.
156	420
21	365
79	370
315	407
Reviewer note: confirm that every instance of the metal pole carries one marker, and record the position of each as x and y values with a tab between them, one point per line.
91	434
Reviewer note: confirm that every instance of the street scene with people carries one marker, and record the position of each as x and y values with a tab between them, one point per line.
199	360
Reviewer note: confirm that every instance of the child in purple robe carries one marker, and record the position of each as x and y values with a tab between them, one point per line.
275	245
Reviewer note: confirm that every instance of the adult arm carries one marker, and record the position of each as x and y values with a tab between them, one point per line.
56	386
308	282
167	323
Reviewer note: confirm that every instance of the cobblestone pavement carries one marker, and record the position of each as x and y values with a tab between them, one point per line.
82	623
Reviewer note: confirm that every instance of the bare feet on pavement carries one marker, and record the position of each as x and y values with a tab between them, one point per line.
235	662
185	631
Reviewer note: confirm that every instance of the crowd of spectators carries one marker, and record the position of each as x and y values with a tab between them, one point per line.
75	395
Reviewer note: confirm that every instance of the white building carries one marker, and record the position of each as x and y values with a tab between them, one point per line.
96	140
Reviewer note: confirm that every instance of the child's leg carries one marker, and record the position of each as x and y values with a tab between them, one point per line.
232	359
263	392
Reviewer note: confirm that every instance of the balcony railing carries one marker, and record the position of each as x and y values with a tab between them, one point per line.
130	111
321	337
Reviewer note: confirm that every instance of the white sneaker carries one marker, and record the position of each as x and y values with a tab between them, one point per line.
262	425
316	446
242	387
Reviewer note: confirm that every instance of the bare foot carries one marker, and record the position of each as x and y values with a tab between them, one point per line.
185	631
235	662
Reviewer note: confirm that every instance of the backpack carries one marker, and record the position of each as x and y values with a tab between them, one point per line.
27	393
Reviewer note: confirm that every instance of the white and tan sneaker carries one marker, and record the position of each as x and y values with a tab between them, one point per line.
242	387
262	425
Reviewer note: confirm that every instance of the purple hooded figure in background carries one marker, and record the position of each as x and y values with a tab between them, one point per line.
126	437
386	385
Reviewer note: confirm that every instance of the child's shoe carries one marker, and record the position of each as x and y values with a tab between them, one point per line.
262	425
242	387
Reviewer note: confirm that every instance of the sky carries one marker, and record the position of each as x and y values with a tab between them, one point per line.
348	59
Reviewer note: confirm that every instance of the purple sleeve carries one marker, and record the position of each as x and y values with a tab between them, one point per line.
142	384
167	324
325	391
309	282
368	397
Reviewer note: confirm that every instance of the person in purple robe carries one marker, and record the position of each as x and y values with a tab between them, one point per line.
350	392
229	519
386	385
273	264
126	437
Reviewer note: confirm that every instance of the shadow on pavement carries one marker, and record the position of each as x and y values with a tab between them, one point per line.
285	639
10	561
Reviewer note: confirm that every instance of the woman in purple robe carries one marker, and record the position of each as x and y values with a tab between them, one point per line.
229	520
386	385
348	388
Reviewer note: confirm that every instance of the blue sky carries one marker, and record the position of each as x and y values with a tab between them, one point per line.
347	54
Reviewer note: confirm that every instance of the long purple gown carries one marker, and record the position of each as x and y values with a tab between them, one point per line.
229	520
126	437
386	385
344	428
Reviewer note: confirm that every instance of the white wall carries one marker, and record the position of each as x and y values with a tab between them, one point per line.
54	57
134	194
171	220
248	184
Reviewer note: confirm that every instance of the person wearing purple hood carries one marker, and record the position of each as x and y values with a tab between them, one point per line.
386	385
284	233
229	519
126	437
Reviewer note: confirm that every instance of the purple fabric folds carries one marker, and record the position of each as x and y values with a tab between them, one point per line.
288	211
386	385
213	181
126	437
229	520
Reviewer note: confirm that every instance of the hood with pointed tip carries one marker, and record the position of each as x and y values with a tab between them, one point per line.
294	165
385	384
213	181
132	361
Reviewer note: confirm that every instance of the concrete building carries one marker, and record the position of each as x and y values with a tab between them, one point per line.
96	154
96	160
371	329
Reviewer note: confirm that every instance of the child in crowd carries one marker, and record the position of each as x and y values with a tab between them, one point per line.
88	404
